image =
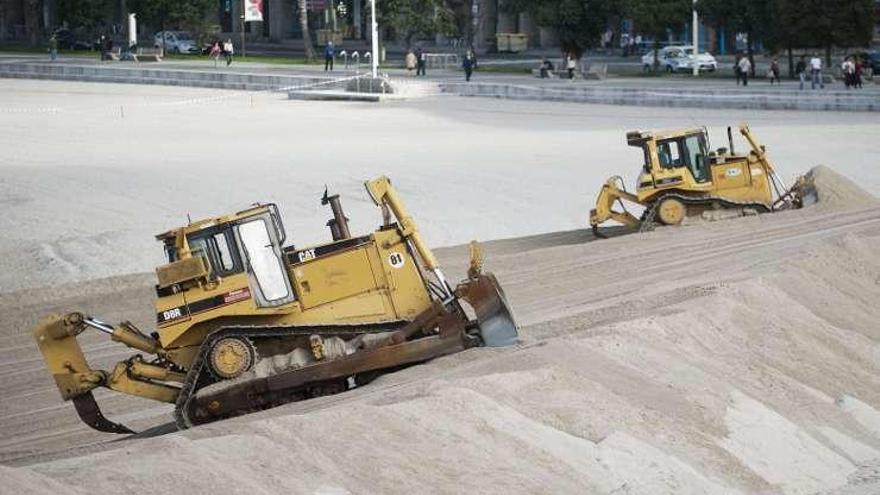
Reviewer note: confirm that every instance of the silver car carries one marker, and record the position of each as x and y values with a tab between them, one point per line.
680	58
175	42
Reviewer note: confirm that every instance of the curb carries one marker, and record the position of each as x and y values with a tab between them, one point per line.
682	98
156	76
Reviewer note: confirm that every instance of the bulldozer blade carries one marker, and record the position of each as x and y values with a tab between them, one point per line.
805	191
497	325
90	413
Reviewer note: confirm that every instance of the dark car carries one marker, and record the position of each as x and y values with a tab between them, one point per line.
68	41
871	59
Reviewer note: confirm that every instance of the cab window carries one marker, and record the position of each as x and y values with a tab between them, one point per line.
218	248
669	154
696	149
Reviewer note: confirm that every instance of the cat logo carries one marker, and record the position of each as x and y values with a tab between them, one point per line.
306	255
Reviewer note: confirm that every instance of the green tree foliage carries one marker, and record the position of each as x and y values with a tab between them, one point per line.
751	17
841	23
87	14
579	23
655	18
789	24
167	14
416	18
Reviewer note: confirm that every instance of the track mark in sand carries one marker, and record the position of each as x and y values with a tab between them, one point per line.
626	310
49	252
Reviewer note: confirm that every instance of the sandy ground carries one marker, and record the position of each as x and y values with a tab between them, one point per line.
90	172
718	357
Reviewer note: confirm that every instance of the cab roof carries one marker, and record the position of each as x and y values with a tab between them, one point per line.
637	138
198	225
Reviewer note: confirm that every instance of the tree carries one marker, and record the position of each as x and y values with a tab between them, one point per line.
32	22
751	17
86	14
188	14
416	18
841	23
655	18
304	26
787	18
579	23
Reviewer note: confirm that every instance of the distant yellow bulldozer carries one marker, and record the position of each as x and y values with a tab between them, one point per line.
244	322
681	177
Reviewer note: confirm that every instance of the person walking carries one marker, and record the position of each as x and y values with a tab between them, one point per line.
53	48
570	65
801	70
329	53
848	70
102	45
214	54
816	72
228	50
857	74
469	64
410	62
736	72
774	72
745	67
421	62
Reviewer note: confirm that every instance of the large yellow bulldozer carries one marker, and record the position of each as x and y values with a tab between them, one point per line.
244	323
681	176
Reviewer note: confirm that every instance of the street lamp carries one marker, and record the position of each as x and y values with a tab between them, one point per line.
375	34
696	32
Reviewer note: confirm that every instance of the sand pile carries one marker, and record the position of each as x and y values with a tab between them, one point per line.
762	380
837	191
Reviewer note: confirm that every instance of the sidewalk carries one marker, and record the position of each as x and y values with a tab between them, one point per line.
675	91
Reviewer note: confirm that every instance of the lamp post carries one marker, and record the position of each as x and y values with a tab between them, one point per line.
374	29
696	33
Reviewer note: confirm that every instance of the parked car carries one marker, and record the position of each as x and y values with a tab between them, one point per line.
67	40
175	42
871	59
679	58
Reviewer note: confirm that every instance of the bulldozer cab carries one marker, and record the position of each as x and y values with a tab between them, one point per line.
245	244
666	154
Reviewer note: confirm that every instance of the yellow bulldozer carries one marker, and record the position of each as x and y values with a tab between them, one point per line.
244	323
681	176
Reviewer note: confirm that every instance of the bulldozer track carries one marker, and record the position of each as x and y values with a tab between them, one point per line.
647	221
199	370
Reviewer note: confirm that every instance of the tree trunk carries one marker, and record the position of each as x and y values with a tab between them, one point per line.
3	21
304	26
32	22
790	62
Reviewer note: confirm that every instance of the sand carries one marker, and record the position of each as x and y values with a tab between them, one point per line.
738	356
84	188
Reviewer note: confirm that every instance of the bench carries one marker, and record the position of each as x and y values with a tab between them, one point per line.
550	74
148	54
596	72
441	60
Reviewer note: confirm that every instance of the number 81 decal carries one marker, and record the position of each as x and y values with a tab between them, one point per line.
396	260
